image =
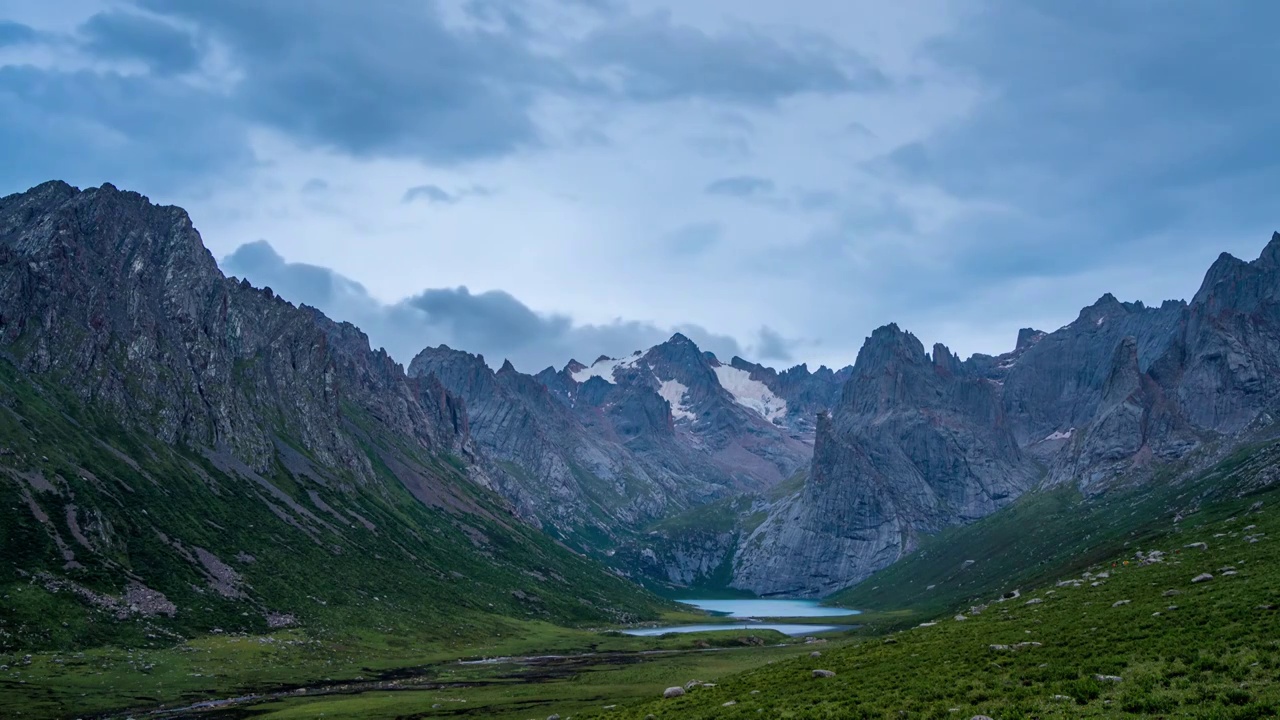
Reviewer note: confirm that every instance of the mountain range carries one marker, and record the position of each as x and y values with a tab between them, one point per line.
182	453
594	453
127	354
800	483
1124	394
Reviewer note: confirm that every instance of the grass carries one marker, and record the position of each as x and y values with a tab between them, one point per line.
1210	651
398	606
90	507
579	688
1049	532
109	680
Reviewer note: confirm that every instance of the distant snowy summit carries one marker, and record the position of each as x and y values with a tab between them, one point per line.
745	389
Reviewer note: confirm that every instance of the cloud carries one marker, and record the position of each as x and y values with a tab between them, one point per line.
859	130
1126	169
816	199
136	131
494	323
315	186
13	33
130	36
765	193
431	89
436	194
987	183
431	193
656	60
423	90
772	346
742	186
1070	166
447	94
694	239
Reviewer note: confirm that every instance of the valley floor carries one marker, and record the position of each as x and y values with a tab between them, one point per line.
1124	637
1179	620
291	674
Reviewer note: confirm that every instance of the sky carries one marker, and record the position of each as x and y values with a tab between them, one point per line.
543	180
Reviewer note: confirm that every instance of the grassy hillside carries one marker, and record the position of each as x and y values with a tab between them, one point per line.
1128	639
113	538
1120	638
1048	533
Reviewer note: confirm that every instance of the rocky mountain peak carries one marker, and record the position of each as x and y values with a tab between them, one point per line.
756	370
945	362
1224	274
1028	337
679	349
120	300
887	345
1270	256
681	339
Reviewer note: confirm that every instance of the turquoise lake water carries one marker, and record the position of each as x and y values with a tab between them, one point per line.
768	608
751	609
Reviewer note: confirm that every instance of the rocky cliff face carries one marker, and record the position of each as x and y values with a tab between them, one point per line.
804	393
181	448
914	444
918	442
596	453
120	301
674	399
585	483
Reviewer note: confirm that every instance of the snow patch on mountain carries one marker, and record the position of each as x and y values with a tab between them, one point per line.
1060	435
751	393
673	392
605	368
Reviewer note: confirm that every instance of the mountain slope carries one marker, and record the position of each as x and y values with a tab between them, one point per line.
1126	631
573	481
716	411
913	446
1058	531
182	451
595	454
921	442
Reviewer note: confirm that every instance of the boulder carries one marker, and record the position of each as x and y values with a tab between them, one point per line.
1202	577
673	692
823	674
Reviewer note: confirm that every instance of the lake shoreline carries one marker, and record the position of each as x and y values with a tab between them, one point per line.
788	616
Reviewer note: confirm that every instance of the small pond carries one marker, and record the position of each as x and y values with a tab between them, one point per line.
756	608
749	610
